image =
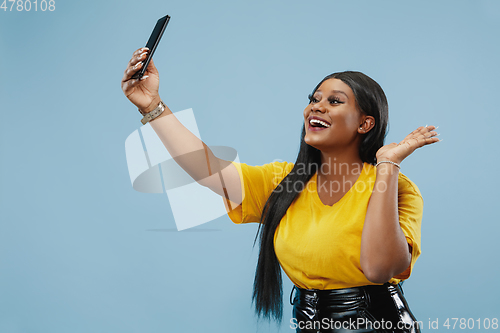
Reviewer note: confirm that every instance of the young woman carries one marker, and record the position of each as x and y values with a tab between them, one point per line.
342	221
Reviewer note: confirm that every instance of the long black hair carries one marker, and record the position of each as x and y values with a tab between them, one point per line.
371	100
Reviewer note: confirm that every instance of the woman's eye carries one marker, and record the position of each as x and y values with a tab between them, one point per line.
331	100
335	101
312	99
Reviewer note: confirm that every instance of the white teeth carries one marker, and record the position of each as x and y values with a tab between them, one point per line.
319	122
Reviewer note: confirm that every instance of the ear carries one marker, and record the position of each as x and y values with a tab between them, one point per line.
368	122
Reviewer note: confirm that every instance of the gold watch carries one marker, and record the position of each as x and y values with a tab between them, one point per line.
153	114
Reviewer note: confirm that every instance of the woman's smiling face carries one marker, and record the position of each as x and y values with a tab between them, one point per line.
332	118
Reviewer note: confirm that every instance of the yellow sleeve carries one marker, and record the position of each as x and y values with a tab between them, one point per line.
410	208
257	183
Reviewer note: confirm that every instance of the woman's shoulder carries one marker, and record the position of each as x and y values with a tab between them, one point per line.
274	169
406	186
282	167
278	169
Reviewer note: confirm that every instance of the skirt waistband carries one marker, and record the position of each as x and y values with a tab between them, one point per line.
343	299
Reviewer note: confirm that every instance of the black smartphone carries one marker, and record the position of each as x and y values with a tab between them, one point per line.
153	42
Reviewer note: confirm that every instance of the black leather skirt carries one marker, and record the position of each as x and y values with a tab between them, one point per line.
377	308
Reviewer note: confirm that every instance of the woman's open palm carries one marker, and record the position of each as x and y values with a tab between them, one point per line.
397	152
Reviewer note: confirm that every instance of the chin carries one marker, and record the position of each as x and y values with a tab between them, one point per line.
312	143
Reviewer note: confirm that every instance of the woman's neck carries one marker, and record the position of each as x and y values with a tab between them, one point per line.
336	165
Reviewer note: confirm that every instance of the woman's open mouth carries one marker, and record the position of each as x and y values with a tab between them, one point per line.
317	124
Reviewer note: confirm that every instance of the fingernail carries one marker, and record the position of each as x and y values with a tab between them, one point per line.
425	125
144	48
436	127
144	77
137	65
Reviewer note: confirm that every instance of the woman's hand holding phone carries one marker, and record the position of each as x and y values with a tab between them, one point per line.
143	92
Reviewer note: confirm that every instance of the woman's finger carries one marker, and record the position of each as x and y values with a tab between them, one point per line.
431	134
135	65
419	141
129	72
127	80
136	53
128	86
421	131
141	50
136	60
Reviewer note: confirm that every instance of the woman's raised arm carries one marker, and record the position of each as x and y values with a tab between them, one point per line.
188	151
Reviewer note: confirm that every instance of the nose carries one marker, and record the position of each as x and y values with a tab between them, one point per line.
318	106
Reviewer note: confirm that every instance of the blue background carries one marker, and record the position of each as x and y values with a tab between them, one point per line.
81	251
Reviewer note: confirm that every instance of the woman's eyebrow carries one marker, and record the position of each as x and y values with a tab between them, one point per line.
341	92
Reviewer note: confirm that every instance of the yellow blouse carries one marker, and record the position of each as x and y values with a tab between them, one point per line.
318	246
